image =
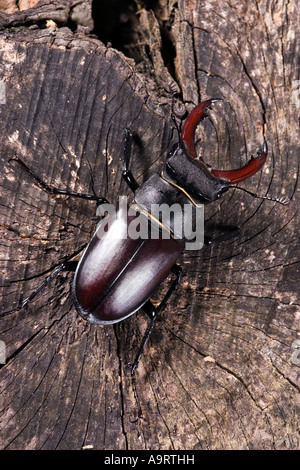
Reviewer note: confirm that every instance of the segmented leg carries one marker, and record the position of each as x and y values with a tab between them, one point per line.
227	233
127	175
153	312
65	266
53	190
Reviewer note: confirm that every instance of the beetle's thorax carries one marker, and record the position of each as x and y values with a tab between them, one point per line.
184	182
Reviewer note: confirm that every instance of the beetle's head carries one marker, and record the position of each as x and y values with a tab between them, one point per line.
193	176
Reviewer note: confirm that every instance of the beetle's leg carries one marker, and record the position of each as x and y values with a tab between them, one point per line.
100	200
66	266
153	312
228	232
127	175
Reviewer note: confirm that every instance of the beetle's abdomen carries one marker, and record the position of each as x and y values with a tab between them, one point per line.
117	274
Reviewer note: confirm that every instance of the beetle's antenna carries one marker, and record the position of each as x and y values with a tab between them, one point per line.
281	200
175	112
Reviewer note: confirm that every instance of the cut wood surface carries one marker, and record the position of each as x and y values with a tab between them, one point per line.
221	370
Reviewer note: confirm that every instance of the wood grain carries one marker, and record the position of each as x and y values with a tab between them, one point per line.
218	372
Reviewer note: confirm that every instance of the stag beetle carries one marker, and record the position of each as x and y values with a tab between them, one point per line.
116	276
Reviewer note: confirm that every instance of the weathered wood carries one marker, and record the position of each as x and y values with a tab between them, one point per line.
218	372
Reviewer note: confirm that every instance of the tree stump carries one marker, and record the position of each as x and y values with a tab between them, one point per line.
221	370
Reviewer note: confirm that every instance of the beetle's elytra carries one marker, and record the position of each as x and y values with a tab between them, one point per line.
116	276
